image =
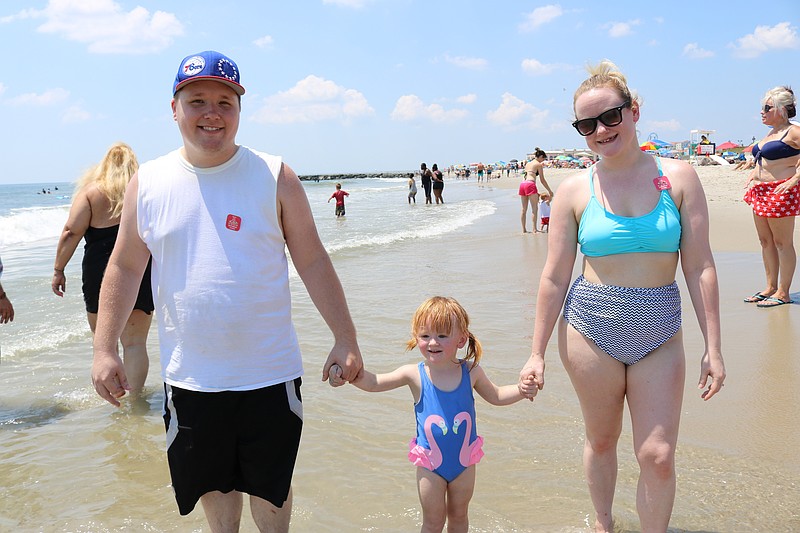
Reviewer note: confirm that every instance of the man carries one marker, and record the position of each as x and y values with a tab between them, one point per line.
217	218
6	309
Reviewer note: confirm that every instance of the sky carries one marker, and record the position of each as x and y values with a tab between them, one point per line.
337	86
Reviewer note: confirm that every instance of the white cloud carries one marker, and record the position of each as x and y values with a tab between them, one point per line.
621	29
693	51
474	63
411	107
541	15
664	125
536	67
313	99
106	28
22	15
514	112
47	98
765	38
74	114
2	88
264	42
470	98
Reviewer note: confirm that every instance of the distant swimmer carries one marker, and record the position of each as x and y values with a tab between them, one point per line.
339	196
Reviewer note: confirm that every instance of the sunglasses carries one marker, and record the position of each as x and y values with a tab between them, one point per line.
768	108
609	118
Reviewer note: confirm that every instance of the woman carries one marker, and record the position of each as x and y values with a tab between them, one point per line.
437	179
529	192
6	309
425	176
95	216
620	337
775	196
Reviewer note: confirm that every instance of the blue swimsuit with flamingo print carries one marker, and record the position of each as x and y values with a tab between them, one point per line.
447	441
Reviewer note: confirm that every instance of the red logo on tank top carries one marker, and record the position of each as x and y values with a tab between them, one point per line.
662	183
233	223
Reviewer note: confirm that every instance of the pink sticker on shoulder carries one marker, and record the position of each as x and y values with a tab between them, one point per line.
233	222
662	183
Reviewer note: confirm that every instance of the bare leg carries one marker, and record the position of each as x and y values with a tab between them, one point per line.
223	511
599	382
534	200
769	254
655	395
271	519
524	213
134	349
432	490
459	494
782	230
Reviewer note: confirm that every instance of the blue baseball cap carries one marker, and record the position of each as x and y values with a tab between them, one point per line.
208	65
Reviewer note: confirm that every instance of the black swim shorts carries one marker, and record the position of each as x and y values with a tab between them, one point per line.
233	440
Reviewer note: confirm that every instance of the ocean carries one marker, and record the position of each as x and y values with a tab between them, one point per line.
71	462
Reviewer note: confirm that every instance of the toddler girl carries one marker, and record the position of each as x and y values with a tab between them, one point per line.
446	447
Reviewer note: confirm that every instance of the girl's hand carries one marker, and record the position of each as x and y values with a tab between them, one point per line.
335	376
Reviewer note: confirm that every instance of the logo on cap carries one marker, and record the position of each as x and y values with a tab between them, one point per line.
227	69
194	65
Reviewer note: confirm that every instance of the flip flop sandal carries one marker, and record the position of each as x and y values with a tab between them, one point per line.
772	302
757	297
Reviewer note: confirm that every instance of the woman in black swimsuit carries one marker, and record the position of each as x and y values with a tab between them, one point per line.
95	216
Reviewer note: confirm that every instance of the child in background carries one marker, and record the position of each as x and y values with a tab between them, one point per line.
412	188
544	212
447	447
339	196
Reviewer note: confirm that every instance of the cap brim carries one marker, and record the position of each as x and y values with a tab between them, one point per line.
233	85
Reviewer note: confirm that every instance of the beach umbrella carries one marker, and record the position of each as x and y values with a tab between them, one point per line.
747	148
726	146
659	143
649	145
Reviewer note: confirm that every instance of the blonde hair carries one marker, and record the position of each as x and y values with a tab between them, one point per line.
783	99
607	74
111	175
443	314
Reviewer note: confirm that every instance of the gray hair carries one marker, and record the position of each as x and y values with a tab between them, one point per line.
783	99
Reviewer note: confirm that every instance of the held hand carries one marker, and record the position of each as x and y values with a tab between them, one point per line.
108	378
347	358
531	377
59	283
335	376
713	368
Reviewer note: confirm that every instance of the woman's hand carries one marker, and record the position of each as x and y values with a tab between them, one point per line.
531	377
59	283
714	368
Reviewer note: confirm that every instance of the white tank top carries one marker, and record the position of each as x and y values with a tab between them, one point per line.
220	273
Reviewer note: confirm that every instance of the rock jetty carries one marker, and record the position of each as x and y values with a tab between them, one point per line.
340	177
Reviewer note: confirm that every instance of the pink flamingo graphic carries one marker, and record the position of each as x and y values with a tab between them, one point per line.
470	453
430	459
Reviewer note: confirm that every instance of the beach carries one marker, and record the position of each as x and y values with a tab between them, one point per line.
71	462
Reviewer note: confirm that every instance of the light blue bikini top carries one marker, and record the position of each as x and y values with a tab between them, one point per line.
601	233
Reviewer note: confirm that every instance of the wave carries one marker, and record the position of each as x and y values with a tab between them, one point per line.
467	213
32	224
